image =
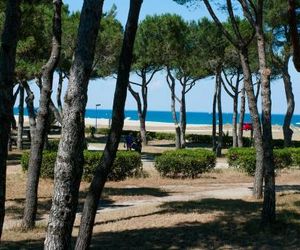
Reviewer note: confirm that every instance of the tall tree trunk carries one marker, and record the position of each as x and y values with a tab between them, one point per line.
37	143
258	140
287	131
293	23
141	113
21	119
144	112
9	40
69	162
234	121
183	118
268	212
59	89
103	169
220	116
30	108
214	118
171	83
242	117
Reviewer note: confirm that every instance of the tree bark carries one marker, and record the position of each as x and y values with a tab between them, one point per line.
30	108
234	121
183	117
59	89
214	118
69	162
220	116
293	23
141	109
103	169
258	140
268	212
171	83
21	119
242	117
37	143
9	40
287	131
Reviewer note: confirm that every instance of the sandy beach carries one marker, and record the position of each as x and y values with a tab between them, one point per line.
169	127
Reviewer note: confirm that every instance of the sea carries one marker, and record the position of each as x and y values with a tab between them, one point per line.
197	118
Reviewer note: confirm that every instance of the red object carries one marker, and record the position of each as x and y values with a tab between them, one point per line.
247	126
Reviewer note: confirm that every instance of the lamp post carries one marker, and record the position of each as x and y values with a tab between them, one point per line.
97	105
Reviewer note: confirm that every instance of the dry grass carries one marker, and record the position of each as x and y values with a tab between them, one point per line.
160	223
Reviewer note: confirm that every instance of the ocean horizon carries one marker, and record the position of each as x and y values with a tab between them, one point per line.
197	118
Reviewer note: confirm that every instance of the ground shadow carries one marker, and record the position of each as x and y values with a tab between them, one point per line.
138	191
236	227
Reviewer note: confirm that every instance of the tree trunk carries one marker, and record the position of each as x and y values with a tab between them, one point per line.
220	116
258	140
293	23
30	108
103	169
21	119
234	121
9	40
242	117
59	89
268	213
287	131
69	162
141	113
182	118
37	143
214	118
144	112
171	83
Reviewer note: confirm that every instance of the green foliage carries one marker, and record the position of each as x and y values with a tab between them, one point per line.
47	169
127	164
185	163
244	158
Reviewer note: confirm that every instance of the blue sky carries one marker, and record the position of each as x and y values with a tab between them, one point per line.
200	98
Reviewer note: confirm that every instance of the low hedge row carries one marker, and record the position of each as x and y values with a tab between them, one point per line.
244	158
205	140
127	164
185	163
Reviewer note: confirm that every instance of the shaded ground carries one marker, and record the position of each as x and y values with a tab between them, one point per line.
212	212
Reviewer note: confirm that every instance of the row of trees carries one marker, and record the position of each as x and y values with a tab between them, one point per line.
186	51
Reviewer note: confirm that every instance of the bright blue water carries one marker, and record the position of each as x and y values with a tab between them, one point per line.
166	116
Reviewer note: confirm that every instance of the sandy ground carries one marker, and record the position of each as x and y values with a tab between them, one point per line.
169	127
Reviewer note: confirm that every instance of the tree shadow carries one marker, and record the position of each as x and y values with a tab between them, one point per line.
138	191
284	188
237	227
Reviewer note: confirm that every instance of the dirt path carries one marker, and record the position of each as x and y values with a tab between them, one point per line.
171	193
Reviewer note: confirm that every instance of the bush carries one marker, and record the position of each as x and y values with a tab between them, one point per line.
245	158
185	163
126	164
47	169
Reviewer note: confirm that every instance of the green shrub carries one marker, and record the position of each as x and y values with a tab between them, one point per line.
47	169
126	164
185	163
295	155
242	158
52	145
245	159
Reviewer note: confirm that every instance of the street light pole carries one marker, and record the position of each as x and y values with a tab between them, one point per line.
97	105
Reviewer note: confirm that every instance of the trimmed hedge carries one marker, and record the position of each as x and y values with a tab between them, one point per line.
185	163
127	164
245	158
